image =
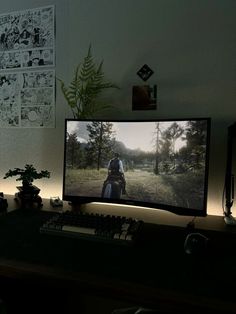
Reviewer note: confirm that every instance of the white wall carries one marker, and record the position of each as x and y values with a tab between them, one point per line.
190	45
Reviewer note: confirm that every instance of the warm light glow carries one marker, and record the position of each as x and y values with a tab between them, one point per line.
48	189
54	188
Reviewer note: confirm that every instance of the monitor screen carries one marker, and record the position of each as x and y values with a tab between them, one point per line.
160	164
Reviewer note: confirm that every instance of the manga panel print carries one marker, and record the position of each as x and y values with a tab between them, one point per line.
24	90
28	29
27	97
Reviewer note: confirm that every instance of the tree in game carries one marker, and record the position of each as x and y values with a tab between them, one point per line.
73	149
100	143
157	147
173	133
165	144
195	137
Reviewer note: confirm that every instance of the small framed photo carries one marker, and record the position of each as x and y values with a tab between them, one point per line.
144	97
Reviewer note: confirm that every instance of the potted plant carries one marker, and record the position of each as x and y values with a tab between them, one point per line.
84	91
28	192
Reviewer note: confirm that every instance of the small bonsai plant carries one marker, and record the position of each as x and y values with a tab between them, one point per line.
27	175
86	87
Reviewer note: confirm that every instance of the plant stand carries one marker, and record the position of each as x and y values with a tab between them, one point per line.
28	196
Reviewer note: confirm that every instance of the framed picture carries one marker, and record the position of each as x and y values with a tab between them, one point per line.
144	97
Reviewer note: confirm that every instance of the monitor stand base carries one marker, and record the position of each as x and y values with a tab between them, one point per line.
230	220
76	206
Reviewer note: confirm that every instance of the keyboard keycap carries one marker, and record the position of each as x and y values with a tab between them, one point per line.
93	226
79	229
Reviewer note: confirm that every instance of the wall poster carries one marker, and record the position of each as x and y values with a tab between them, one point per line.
27	75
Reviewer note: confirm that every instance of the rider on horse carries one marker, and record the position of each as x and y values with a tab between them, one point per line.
115	168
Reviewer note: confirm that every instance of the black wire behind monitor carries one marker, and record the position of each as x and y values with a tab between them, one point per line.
165	163
228	195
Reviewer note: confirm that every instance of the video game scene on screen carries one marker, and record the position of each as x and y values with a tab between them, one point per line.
148	162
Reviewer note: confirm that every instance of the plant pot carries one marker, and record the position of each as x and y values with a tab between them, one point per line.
28	195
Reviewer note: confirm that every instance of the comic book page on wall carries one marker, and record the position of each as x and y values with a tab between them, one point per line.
27	74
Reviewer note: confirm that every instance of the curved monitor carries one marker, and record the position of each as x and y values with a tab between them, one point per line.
159	164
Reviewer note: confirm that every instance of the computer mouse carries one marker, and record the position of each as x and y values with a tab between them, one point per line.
195	243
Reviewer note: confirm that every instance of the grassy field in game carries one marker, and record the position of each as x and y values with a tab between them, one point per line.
144	186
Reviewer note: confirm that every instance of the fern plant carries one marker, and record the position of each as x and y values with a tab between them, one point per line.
86	87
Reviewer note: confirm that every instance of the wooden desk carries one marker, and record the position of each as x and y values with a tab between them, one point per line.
155	274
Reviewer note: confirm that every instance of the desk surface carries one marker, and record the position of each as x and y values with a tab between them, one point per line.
156	269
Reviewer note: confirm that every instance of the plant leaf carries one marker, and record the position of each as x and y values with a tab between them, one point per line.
87	85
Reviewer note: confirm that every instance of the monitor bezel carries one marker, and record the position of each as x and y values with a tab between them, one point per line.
75	199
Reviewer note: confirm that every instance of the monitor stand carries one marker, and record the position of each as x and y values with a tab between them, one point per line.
230	220
75	206
229	177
